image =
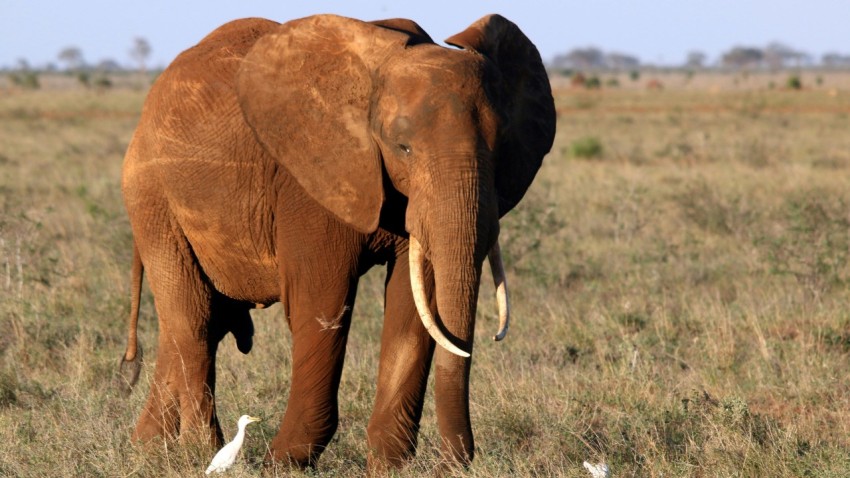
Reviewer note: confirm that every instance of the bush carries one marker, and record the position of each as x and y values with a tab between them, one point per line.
634	75
26	79
593	83
813	243
794	83
586	147
102	83
84	78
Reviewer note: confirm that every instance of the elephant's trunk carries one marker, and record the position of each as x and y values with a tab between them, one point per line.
457	255
456	243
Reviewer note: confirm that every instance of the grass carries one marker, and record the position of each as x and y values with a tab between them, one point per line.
586	147
681	302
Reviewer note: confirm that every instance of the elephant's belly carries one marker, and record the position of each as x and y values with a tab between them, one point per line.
230	227
238	261
237	266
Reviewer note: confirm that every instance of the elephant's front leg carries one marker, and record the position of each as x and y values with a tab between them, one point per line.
181	399
318	299
319	335
406	351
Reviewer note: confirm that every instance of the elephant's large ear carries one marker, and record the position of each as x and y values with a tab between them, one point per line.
305	90
524	99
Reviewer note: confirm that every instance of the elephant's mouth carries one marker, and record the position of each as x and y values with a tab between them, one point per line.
420	297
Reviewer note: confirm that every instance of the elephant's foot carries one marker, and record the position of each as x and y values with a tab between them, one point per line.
158	419
388	452
300	446
458	458
392	436
171	413
301	457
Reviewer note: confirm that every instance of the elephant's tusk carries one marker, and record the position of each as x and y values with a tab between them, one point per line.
420	298
497	267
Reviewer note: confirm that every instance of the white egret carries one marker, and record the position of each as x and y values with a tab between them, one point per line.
599	470
227	455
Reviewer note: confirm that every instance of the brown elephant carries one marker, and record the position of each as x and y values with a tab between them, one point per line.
279	162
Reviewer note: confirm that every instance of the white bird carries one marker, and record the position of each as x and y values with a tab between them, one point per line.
599	470
227	455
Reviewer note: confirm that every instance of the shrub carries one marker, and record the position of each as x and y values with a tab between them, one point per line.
794	83
593	83
586	147
102	83
26	79
813	245
84	78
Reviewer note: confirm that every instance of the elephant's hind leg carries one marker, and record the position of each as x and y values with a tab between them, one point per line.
181	399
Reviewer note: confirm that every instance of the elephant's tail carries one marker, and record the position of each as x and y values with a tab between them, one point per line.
131	363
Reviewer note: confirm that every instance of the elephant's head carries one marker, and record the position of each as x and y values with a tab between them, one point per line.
345	104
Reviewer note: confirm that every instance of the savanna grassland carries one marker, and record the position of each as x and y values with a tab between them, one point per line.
679	276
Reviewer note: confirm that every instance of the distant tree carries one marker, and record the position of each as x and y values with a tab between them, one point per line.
695	59
621	61
742	57
72	57
835	60
108	65
778	56
580	59
140	52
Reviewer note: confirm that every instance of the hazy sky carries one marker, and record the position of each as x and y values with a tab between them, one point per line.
657	31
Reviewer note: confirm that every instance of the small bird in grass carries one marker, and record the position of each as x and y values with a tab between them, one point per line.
227	455
599	470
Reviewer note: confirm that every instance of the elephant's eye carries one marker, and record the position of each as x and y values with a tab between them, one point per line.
404	148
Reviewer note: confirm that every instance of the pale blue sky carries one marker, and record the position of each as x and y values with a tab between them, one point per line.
657	31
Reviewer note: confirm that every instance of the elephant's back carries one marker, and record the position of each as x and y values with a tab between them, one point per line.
192	108
240	33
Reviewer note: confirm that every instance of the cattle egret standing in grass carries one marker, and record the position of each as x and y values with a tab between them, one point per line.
227	455
599	470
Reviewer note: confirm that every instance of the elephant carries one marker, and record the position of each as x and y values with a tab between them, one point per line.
279	162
